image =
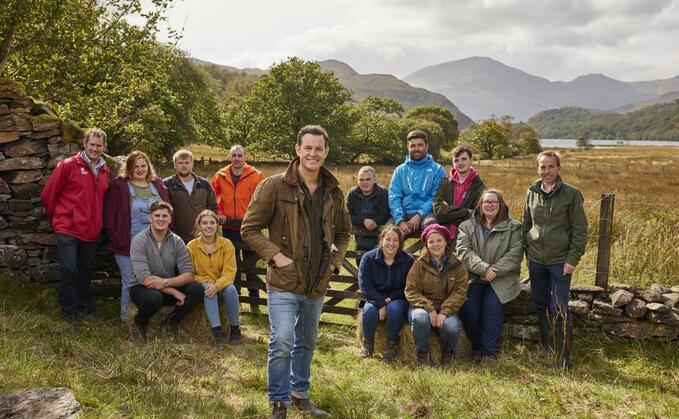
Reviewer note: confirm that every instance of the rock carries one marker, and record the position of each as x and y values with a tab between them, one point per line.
650	296
636	309
41	135
46	272
3	222
602	318
25	190
44	403
11	256
587	288
671	299
636	330
68	149
620	287
54	140
620	297
517	306
25	147
22	176
4	109
522	331
584	296
4	189
675	288
659	288
44	108
660	313
523	319
10	89
45	122
21	163
657	307
15	122
8	136
603	308
579	307
46	239
71	132
19	205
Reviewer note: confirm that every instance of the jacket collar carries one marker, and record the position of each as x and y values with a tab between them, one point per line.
502	226
537	186
292	175
426	160
397	259
221	242
452	261
377	190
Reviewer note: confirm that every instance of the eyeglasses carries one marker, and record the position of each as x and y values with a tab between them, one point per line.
491	203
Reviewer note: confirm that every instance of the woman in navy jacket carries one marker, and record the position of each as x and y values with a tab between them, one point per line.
382	278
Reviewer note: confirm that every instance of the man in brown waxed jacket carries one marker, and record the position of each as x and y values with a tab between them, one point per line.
308	234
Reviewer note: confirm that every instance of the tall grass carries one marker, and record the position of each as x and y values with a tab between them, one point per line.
645	181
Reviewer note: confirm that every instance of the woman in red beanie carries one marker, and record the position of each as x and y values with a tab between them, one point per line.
436	288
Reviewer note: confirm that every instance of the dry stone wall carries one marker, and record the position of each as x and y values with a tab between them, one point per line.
33	139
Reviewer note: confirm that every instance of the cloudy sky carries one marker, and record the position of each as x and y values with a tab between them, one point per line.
557	39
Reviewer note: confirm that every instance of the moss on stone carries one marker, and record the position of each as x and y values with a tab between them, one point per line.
11	89
43	108
44	118
71	132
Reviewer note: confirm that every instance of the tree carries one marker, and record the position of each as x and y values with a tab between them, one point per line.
446	121
293	94
583	142
489	138
375	135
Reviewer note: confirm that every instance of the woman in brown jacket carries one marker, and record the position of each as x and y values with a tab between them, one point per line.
436	288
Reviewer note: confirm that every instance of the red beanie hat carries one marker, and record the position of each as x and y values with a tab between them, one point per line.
435	228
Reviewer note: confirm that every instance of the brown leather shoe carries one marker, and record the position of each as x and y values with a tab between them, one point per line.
305	405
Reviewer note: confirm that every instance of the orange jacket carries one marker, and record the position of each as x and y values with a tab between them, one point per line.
232	201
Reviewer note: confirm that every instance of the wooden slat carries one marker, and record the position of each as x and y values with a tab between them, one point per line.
342	295
250	300
340	310
260	285
335	301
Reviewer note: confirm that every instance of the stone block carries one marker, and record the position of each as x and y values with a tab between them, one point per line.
45	122
603	318
519	307
523	319
12	256
659	288
41	135
15	122
604	308
620	297
660	313
54	140
4	109
21	163
19	205
26	190
67	149
44	403
594	289
584	296
25	147
579	307
671	299
636	308
44	272
649	295
46	239
675	288
22	176
522	331
636	330
4	188
620	287
8	136
10	89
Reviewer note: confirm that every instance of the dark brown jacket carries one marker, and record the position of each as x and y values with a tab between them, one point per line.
188	204
443	292
278	205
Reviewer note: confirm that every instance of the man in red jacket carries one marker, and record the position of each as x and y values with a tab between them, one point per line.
74	200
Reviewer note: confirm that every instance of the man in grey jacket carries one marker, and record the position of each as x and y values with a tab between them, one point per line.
162	274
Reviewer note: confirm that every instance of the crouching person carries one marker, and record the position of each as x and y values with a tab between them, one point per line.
214	263
161	275
436	288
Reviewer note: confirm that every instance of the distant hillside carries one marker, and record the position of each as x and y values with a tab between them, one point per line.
666	98
482	87
228	81
658	87
388	86
656	122
251	71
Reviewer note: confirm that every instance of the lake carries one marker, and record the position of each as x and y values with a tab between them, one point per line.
570	143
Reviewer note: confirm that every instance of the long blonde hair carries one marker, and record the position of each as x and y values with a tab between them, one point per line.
203	214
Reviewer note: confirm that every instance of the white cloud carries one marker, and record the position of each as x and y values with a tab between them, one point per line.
556	39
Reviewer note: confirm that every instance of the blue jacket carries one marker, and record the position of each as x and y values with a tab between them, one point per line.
413	186
379	280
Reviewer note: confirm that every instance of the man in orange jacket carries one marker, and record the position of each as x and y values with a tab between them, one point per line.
234	186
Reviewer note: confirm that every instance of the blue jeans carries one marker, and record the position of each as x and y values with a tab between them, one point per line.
230	297
396	316
482	318
77	262
125	267
421	326
294	326
550	289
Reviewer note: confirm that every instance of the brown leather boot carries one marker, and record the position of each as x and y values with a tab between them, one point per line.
368	349
279	410
390	352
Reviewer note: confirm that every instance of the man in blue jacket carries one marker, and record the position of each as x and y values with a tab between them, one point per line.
414	184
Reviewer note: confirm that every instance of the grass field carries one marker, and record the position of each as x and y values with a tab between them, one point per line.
611	378
645	181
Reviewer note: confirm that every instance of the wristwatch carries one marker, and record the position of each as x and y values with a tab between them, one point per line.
166	282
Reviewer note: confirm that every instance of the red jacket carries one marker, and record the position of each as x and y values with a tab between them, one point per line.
232	201
117	216
74	199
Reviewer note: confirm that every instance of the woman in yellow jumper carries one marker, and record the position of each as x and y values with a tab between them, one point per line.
214	263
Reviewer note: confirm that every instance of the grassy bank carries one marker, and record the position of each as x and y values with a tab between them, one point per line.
645	181
114	378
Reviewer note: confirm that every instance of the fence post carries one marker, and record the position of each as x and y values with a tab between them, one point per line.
603	257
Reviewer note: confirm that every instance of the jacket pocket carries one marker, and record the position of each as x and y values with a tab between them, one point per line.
284	278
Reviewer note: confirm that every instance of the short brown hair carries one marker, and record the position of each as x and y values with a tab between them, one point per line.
388	229
182	154
462	148
417	133
94	132
501	216
203	214
160	205
313	130
550	153
127	169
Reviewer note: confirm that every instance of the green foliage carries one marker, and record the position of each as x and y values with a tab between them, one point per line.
375	134
489	138
102	71
293	94
439	124
228	84
656	122
583	142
